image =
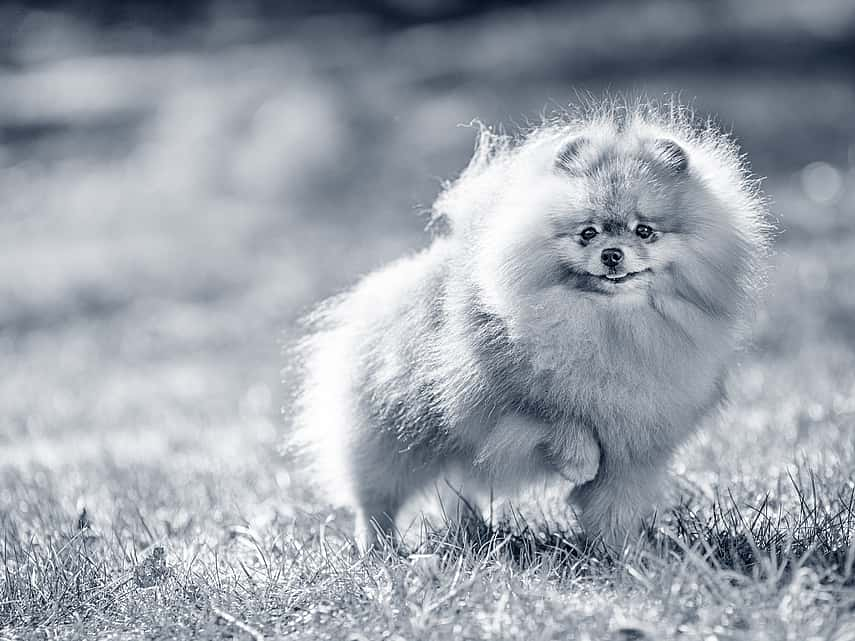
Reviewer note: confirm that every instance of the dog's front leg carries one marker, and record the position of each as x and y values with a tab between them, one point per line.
614	504
522	446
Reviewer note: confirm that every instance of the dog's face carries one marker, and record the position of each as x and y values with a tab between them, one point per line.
622	219
621	227
612	254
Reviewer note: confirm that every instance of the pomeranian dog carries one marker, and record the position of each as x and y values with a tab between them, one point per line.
576	318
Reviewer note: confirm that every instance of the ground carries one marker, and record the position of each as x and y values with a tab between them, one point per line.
170	203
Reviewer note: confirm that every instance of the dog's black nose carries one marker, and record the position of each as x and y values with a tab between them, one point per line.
611	256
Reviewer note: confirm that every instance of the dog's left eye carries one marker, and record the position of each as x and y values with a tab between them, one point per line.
643	231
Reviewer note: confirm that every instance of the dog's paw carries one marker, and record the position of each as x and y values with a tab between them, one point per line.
581	471
577	456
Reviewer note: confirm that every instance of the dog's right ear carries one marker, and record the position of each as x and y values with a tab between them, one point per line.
672	155
569	159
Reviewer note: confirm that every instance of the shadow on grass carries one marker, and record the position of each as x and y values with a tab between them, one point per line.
765	542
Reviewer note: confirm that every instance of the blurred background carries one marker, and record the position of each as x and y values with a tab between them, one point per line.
180	181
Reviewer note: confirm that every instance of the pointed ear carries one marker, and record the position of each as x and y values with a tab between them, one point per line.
672	155
568	160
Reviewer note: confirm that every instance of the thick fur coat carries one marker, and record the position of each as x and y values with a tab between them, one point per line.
577	318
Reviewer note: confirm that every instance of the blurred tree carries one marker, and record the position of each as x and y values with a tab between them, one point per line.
166	13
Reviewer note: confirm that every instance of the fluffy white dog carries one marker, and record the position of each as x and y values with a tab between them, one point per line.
576	319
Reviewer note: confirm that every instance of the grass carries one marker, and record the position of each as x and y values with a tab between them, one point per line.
168	549
718	568
158	231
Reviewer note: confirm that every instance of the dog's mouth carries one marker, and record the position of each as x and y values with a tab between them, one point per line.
622	278
599	283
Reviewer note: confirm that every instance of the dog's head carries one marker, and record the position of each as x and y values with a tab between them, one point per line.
621	217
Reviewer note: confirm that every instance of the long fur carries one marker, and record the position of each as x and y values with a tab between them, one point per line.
503	352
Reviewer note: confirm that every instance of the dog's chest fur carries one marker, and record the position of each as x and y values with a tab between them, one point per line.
637	377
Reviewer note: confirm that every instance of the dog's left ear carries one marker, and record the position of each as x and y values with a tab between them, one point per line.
569	161
671	155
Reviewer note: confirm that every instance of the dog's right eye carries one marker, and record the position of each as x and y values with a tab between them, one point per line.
588	233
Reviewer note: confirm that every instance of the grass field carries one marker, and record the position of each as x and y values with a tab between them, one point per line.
170	204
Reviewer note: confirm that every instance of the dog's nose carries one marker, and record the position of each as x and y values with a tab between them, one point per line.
611	256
